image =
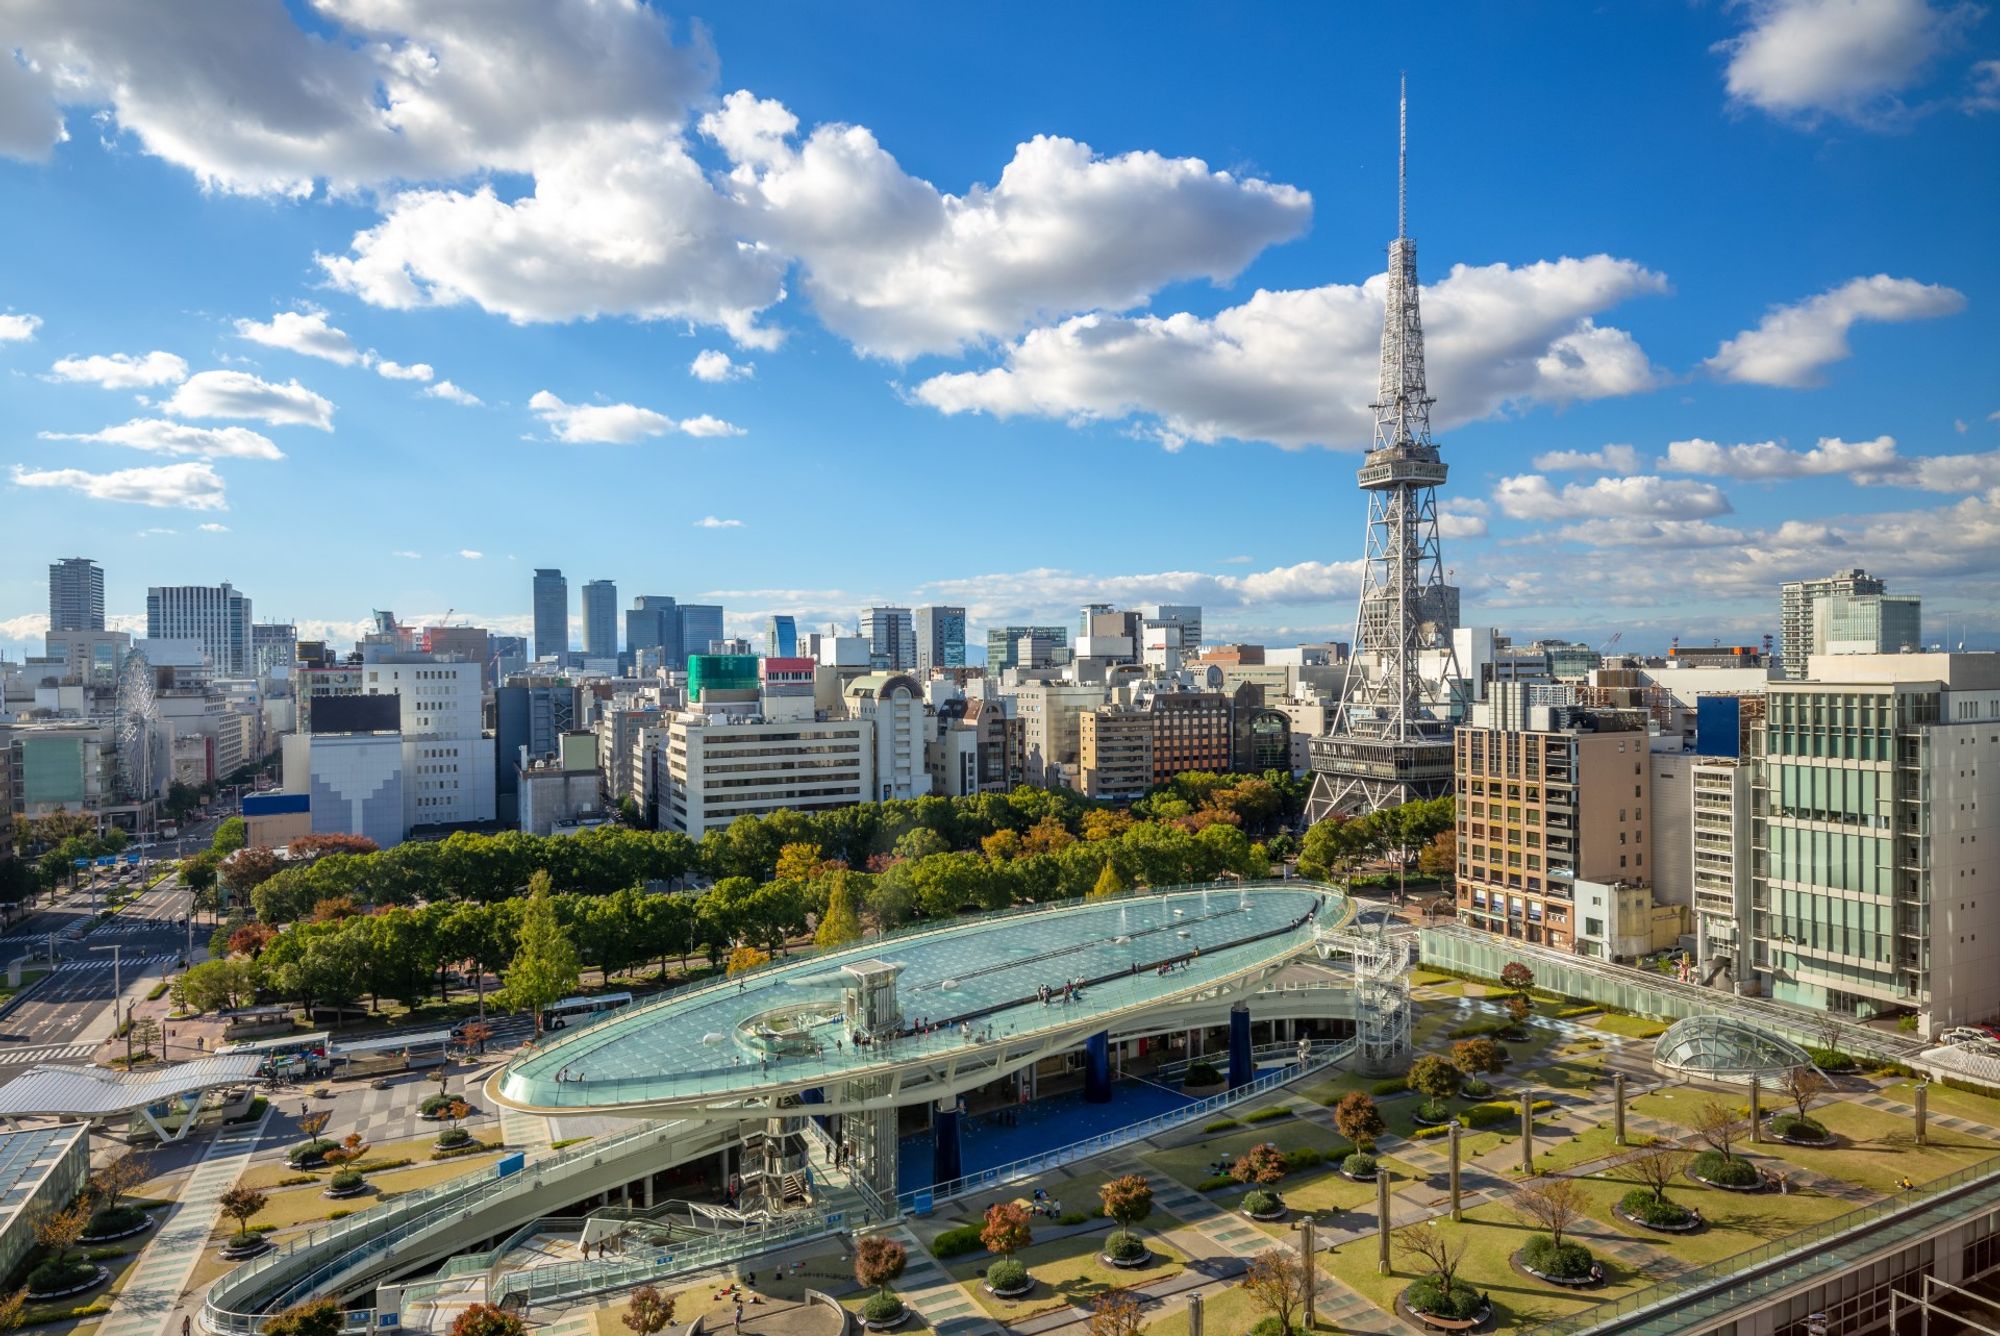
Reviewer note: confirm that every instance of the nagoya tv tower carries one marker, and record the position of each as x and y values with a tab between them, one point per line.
1391	741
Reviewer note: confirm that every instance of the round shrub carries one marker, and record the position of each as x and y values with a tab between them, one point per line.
433	1105
1433	1111
52	1276
1476	1088
1792	1127
1260	1202
1007	1274
1215	1183
1832	1059
1359	1165
1427	1296
1201	1074
346	1180
1640	1204
452	1137
1728	1171
1305	1157
960	1241
1126	1247
308	1152
117	1220
1565	1261
882	1308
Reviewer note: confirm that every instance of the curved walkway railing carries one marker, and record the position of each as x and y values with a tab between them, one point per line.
1323	1056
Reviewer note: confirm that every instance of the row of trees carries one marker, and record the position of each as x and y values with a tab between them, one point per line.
1415	834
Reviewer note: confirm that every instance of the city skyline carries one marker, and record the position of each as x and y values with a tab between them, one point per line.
1654	416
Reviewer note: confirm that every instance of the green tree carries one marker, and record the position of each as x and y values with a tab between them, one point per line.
1109	883
230	836
841	923
545	968
314	1317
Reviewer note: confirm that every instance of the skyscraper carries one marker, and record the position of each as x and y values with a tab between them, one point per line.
76	595
891	637
1392	742
781	637
653	622
214	616
1003	644
600	620
1870	619
700	626
551	614
1187	615
940	635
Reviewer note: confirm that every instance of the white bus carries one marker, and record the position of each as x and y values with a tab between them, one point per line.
582	1010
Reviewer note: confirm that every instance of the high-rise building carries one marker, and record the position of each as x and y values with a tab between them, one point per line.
1115	752
781	638
76	595
700	626
214	616
1393	742
1868	624
892	639
1187	615
940	636
1003	644
274	646
600	620
653	622
551	614
1801	633
448	758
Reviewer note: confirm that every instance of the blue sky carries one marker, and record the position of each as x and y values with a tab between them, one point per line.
380	303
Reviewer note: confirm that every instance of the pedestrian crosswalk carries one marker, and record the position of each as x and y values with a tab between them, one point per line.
129	963
17	1057
125	927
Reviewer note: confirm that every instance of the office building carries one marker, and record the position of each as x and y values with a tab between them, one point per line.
600	620
216	617
892	639
781	638
1800	634
653	623
1187	616
551	614
274	648
1005	647
1115	752
940	636
1049	714
563	789
1868	624
531	714
741	760
1191	731
700	627
893	705
449	763
1870	892
1544	808
76	595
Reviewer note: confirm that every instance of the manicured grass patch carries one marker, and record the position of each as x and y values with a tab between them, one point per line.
1632	1027
1268	1114
1191	1164
1592	1144
1230	1310
1877	1150
1734	1222
1066	1271
1967	1104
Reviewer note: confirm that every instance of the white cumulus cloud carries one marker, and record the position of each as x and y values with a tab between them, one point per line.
1805	59
1792	344
609	424
469	554
1609	459
714	365
1770	460
1532	497
122	371
1298	367
214	528
18	328
303	332
193	486
179	438
711	522
398	371
452	393
705	425
238	394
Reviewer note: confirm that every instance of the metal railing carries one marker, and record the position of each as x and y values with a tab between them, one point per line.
1323	1057
1711	1290
569	1280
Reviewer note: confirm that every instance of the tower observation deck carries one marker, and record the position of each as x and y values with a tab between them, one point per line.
1391	740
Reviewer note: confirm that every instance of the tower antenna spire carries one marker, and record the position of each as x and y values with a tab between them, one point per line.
1403	158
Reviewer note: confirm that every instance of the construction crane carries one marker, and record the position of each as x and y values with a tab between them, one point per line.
1605	648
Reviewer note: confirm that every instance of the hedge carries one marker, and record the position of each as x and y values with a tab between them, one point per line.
958	1242
1213	1183
1271	1114
1586	1009
1395	1086
1305	1157
1221	1125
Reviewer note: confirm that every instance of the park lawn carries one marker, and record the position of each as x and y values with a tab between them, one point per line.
1230	1310
1419	977
1569	1071
1594	1143
1736	1221
1877	1149
1318	1191
1492	1235
1330	1092
1680	1108
303	1205
1075	1191
1190	1164
266	1177
1066	1271
120	1269
1632	1027
1967	1104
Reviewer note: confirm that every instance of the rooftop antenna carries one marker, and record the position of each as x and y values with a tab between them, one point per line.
1403	156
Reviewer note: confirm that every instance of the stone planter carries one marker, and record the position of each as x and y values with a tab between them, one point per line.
1025	1287
1591	1281
1820	1143
870	1324
1688	1226
1422	1121
1359	1178
1758	1186
240	1247
1269	1217
1204	1091
1429	1323
342	1194
97	1279
140	1228
1144	1259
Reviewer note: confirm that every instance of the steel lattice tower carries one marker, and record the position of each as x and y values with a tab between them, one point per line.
1391	741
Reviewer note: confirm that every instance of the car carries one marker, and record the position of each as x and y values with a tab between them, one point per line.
1992	1029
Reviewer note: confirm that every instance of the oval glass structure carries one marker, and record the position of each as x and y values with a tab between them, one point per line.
1722	1048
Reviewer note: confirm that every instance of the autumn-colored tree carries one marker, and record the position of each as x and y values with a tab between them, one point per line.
1113	1313
58	1231
12	1307
841	923
333	909
1518	1009
1105	823
1435	1077
1439	858
314	1317
879	1261
1108	884
241	1204
1128	1199
1659	1165
1277	1282
312	1124
251	939
1477	1056
744	959
1263	1163
647	1311
1804	1086
110	1182
486	1320
1001	846
1007	1229
475	1034
1550	1204
1047	836
1517	976
1358	1119
348	1151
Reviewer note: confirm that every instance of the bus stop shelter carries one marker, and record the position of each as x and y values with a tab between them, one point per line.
98	1096
379	1054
